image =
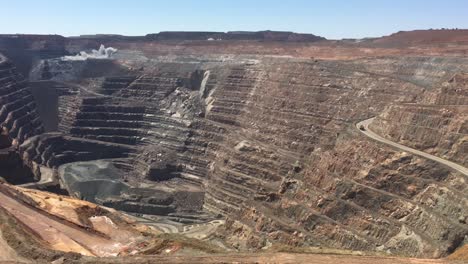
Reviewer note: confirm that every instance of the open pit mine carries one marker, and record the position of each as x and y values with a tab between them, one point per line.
234	147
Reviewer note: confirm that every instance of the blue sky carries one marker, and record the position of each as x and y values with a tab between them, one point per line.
329	18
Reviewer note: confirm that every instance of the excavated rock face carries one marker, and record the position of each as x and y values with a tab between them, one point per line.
268	143
296	173
18	116
438	125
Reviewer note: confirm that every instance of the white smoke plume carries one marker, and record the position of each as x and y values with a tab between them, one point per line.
102	53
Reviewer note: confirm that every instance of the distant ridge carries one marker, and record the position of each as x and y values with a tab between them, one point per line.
236	35
430	36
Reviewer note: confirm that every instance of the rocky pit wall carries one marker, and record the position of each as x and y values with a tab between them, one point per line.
437	125
270	144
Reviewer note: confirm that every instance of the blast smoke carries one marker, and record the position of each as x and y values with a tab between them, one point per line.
102	53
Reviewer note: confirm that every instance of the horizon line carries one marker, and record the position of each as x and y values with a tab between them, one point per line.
225	32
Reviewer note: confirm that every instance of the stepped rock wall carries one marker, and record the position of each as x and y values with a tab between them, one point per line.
437	124
271	144
19	119
286	166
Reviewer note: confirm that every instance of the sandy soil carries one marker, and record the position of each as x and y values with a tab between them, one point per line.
6	252
273	258
60	236
71	225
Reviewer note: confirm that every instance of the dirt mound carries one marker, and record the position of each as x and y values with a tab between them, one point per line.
52	224
460	254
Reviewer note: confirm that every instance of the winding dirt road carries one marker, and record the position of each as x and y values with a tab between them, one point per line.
363	127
